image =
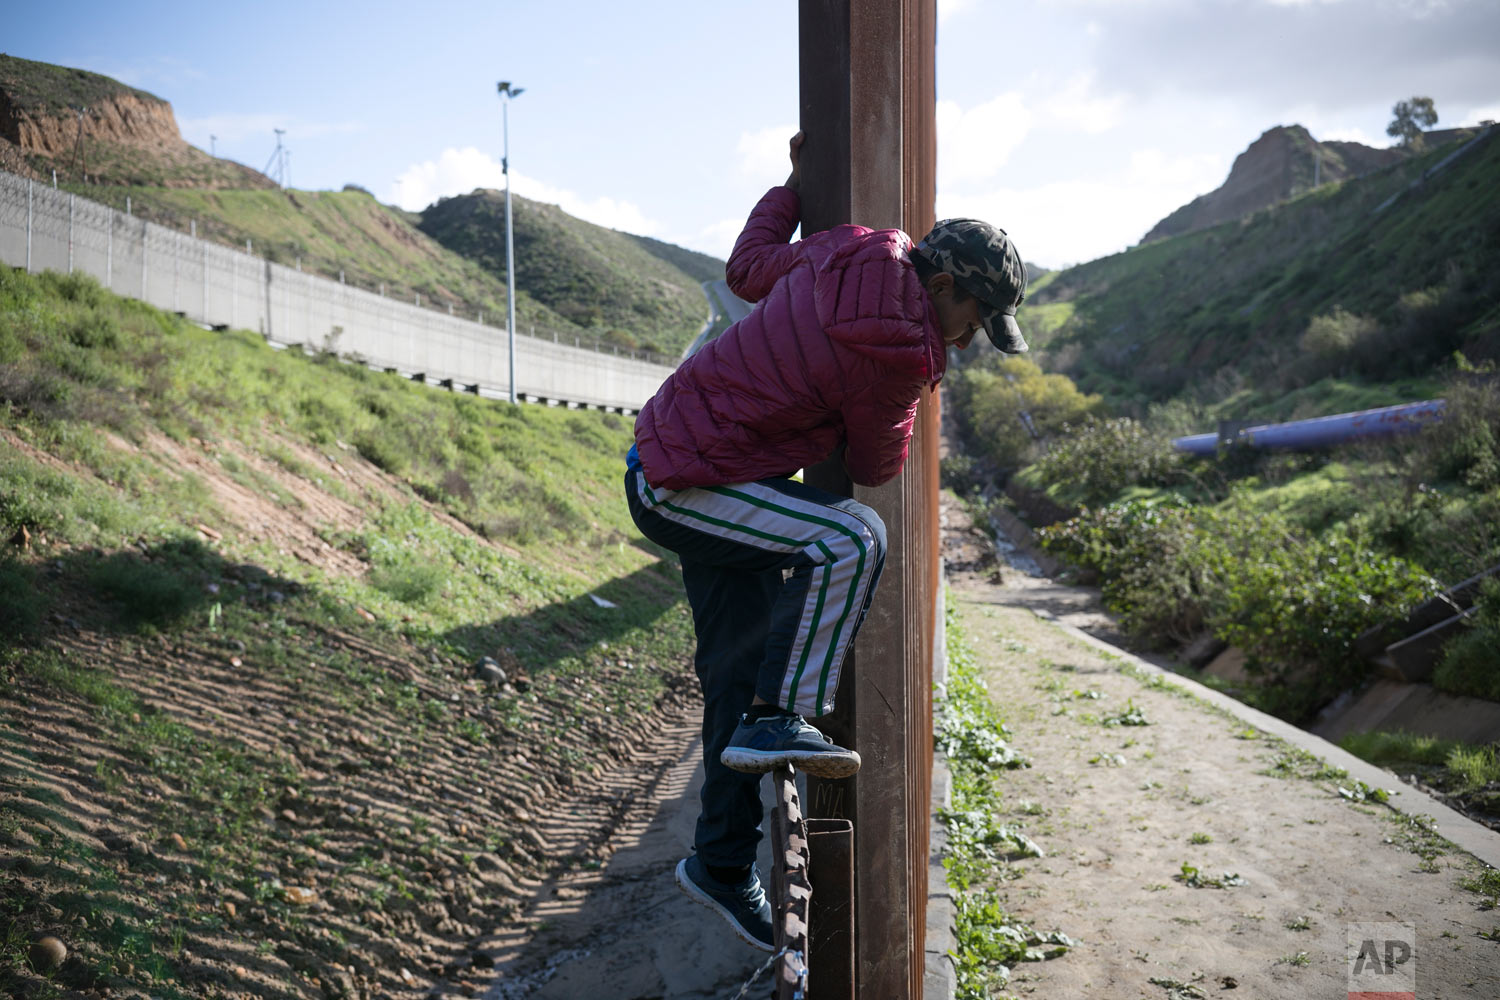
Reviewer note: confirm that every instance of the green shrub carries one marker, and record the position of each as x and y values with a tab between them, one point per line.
960	473
94	330
30	497
78	287
1465	445
1093	462
999	409
1471	662
410	582
1304	602
1472	768
1144	553
1335	337
1294	605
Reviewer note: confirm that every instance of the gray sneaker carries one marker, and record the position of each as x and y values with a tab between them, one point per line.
744	905
765	744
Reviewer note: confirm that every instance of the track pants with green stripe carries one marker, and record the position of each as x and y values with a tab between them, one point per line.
779	576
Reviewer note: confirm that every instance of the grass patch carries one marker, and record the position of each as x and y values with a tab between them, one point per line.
1386	747
1473	767
989	939
1485	884
1455	767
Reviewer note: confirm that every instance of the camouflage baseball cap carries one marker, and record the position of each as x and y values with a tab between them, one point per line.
984	261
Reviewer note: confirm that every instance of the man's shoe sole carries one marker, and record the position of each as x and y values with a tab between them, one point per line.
697	895
819	764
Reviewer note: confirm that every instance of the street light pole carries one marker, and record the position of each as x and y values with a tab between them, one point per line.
506	93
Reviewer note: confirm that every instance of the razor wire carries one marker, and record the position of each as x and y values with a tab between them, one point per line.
765	967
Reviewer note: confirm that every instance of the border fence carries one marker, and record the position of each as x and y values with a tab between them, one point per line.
44	228
867	88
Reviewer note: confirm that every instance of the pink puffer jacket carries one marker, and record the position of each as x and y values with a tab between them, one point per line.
837	351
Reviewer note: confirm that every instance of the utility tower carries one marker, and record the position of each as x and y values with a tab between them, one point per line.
276	165
78	154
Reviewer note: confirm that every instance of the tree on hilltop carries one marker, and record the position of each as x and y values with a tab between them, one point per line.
1411	117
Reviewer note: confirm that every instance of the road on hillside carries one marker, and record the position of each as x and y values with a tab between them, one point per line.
725	309
735	308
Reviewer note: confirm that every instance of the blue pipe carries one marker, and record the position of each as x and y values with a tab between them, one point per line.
1320	432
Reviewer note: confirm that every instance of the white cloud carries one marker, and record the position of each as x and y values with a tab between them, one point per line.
1067	222
717	239
459	171
1353	134
764	152
1196	173
948	8
1488	113
1077	106
975	144
157	72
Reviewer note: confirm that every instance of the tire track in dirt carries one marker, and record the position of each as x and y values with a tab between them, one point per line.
623	930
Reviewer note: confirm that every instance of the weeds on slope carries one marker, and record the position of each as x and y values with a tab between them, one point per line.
247	753
978	852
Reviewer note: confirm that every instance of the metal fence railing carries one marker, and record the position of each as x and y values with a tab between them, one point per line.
43	228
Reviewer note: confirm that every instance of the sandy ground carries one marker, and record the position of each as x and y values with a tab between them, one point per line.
625	932
1117	809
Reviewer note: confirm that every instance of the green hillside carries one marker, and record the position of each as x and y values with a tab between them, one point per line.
333	231
1373	291
596	277
41	88
243	745
575	279
1219	316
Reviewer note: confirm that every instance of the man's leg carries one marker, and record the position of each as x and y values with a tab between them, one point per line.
835	548
820	610
732	614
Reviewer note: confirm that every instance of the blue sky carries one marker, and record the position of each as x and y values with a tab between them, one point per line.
1075	124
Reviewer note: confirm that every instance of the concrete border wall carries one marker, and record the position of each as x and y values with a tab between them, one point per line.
44	228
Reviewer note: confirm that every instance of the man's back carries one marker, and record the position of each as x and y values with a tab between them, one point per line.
837	350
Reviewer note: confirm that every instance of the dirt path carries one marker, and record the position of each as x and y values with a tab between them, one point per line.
624	931
1120	809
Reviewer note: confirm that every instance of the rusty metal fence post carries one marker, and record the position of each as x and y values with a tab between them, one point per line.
867	98
830	869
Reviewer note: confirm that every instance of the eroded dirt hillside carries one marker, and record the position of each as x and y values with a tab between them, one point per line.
289	795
